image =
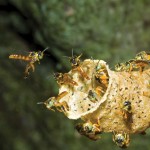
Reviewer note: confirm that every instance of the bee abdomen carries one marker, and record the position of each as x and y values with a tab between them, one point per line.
25	58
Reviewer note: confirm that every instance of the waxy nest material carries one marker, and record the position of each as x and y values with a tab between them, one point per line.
123	86
107	101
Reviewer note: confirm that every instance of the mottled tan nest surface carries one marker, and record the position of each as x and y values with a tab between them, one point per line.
122	86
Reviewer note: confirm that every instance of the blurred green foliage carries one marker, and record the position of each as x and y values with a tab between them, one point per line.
110	30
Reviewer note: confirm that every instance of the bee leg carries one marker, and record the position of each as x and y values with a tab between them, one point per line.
51	109
30	54
58	106
32	66
38	60
141	69
59	109
62	107
128	140
122	113
92	136
125	116
83	74
131	68
65	105
27	70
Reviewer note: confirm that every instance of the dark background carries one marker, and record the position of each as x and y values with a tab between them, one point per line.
112	30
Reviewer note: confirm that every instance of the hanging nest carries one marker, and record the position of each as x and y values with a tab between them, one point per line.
107	101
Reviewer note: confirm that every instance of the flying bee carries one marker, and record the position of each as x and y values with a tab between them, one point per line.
75	64
121	139
142	56
89	130
31	58
53	102
64	79
126	109
101	74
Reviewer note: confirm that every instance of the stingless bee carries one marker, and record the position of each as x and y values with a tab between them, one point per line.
89	130
138	64
64	79
97	92
121	139
131	65
53	102
142	56
93	95
31	58
127	66
101	75
126	109
75	63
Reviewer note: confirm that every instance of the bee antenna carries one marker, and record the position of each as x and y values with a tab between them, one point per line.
54	74
72	52
66	56
45	49
92	59
40	103
97	62
49	76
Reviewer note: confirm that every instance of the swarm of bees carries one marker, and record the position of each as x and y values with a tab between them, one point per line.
32	58
99	81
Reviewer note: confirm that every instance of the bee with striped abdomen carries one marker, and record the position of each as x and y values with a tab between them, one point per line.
31	58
